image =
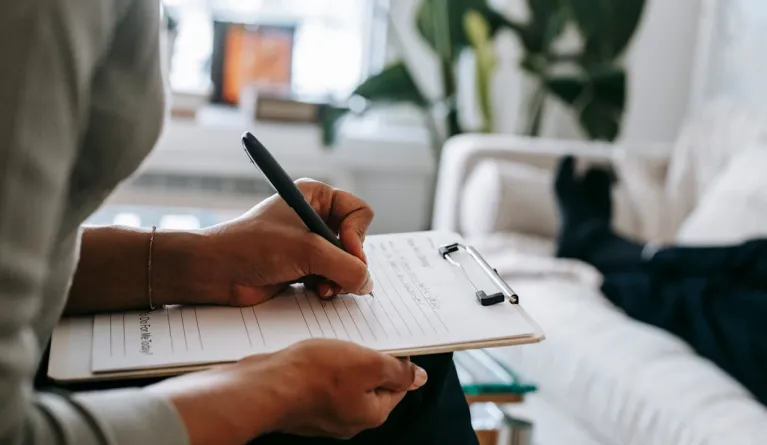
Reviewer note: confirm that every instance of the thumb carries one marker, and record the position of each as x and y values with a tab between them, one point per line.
400	375
336	265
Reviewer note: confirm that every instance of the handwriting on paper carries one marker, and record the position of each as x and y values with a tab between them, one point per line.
145	332
419	301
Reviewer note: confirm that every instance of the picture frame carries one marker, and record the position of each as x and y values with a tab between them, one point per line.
250	55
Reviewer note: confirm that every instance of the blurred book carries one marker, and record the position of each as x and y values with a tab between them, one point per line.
288	107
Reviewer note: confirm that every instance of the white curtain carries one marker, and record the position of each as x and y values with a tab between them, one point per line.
734	52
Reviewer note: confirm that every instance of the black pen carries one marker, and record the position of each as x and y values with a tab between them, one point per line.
286	188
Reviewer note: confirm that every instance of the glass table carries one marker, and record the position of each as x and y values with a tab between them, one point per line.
488	384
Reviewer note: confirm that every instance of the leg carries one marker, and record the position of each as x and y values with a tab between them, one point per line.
585	206
714	298
437	413
722	320
586	235
745	263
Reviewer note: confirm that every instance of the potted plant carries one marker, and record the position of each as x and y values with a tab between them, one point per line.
591	81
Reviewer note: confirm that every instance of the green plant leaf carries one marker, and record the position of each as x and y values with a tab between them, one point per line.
547	22
393	84
627	16
600	122
567	89
329	120
610	86
477	28
602	116
598	98
536	110
498	21
479	33
548	19
440	23
606	25
535	64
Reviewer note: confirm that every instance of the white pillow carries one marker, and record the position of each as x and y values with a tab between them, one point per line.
734	208
506	196
642	177
706	145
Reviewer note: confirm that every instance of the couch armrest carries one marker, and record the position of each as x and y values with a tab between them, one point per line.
462	153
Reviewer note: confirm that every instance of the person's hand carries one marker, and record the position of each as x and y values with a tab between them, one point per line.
314	388
248	260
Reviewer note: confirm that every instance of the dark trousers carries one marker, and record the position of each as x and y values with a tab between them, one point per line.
714	298
436	413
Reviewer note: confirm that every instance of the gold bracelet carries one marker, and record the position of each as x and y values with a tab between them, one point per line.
149	270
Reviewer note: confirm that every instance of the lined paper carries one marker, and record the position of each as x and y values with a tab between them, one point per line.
421	301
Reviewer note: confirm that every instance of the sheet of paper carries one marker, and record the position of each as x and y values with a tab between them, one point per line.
421	301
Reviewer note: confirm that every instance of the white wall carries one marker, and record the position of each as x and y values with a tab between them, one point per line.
660	62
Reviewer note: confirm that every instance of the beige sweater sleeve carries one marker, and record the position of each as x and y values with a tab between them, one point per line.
49	52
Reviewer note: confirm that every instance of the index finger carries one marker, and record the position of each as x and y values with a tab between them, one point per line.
345	214
352	216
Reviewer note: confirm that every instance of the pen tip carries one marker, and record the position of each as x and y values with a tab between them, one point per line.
371	294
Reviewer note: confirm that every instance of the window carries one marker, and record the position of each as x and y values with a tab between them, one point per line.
163	217
735	45
336	41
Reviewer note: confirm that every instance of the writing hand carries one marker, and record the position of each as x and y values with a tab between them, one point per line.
248	260
314	388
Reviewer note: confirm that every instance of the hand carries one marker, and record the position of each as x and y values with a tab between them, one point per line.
314	388
345	388
249	259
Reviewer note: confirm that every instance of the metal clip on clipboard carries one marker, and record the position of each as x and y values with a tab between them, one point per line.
483	298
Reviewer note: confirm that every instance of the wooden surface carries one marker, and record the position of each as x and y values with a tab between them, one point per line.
490	436
487	437
495	398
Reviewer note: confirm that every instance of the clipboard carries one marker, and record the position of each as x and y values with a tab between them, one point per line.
71	359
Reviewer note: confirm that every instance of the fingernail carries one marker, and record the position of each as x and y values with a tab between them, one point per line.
368	287
327	292
420	377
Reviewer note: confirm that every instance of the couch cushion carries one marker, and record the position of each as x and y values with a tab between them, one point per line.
504	196
705	146
734	208
632	383
551	425
642	177
520	257
508	196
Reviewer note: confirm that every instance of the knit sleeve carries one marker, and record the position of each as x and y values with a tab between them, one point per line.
49	51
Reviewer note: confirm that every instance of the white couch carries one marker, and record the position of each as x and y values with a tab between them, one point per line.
605	379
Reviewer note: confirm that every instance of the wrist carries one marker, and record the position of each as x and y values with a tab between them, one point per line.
214	411
183	269
232	404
